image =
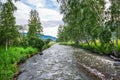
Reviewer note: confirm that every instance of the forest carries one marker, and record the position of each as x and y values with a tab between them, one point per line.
91	24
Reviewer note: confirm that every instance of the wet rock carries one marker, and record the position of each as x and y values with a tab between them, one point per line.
115	58
17	74
116	64
117	67
40	53
103	64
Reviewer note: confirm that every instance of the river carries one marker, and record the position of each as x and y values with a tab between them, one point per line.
61	62
56	63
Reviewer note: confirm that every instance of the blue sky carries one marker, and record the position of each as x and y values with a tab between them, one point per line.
49	13
50	4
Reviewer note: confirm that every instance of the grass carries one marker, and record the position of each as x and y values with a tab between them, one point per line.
67	43
9	60
104	50
48	45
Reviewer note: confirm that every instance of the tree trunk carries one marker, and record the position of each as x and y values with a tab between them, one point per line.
88	43
117	37
81	42
117	41
114	49
6	45
77	42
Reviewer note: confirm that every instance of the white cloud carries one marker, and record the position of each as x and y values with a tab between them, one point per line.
51	23
51	31
3	1
47	15
37	3
22	13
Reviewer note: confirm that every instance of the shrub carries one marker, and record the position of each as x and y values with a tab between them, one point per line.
16	42
45	47
48	41
22	59
9	59
24	42
36	42
48	45
118	50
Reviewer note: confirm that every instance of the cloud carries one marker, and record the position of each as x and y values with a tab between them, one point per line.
34	3
49	14
3	1
51	31
48	11
51	23
22	13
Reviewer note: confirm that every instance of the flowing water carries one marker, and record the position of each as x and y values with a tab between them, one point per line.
56	63
61	63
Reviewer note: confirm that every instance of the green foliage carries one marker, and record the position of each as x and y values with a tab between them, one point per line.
35	28
36	42
66	43
24	43
105	36
10	58
47	41
34	24
8	30
16	42
9	36
48	45
106	50
80	20
64	33
87	21
118	48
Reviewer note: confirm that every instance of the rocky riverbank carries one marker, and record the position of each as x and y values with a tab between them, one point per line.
101	67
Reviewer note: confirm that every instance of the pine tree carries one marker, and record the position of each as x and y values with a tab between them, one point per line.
34	24
8	29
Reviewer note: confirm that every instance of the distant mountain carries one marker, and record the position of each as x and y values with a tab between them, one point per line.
44	37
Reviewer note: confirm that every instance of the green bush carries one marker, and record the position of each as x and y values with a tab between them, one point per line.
118	50
104	49
36	42
45	46
24	42
22	59
47	41
10	58
48	45
16	42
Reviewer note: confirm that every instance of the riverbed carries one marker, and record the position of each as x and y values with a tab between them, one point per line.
56	63
61	62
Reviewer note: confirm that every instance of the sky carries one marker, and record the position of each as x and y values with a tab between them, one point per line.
49	13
